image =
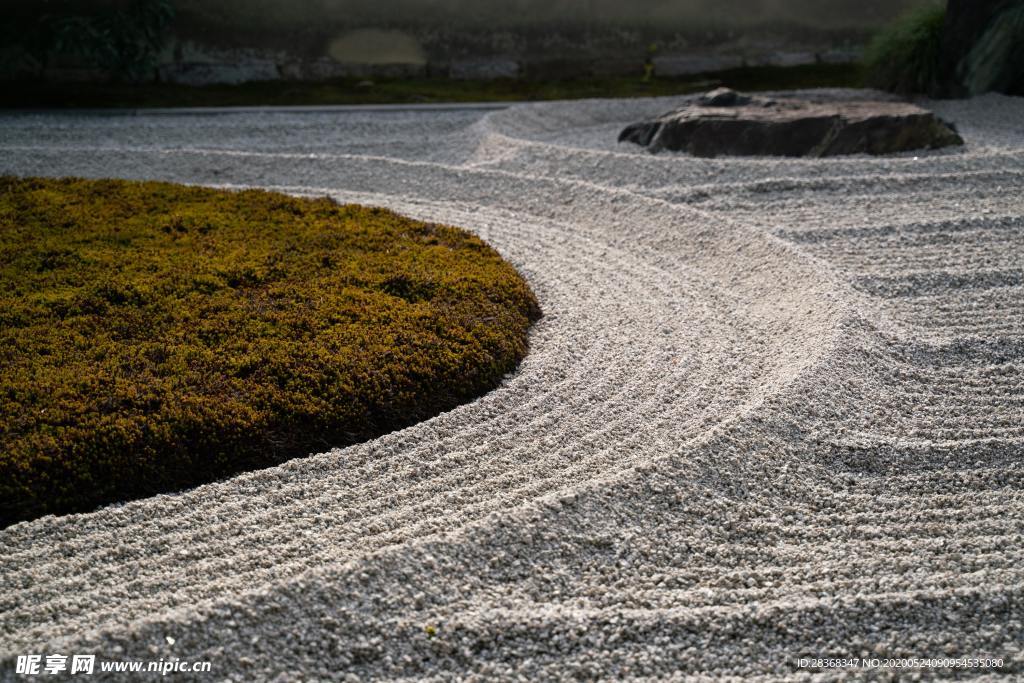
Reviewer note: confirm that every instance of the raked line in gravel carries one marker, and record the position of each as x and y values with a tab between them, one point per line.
774	411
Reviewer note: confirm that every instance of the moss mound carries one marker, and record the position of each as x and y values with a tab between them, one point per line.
155	336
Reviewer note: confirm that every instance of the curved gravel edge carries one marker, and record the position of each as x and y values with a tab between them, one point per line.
773	412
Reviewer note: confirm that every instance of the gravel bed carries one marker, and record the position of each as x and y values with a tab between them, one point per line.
774	411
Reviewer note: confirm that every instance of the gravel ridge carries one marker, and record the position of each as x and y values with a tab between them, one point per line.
775	410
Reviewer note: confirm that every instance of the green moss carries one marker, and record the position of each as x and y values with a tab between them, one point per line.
421	90
155	336
906	57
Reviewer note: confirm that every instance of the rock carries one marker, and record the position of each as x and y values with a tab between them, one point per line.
724	122
723	97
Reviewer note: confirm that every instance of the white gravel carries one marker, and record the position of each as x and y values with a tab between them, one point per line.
775	410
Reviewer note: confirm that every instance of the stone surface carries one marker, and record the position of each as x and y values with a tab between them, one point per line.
723	97
724	122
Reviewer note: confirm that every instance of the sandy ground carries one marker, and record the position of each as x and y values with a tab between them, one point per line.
775	411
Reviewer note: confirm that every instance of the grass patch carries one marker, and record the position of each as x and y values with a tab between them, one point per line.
906	57
419	91
155	336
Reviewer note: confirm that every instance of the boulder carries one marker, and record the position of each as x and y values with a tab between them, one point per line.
723	122
723	97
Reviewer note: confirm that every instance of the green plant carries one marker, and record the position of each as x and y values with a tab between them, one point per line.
422	90
996	61
906	57
155	336
123	40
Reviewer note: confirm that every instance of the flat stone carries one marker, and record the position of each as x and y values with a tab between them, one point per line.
723	122
723	97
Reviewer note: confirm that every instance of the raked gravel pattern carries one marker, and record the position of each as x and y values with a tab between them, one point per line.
775	410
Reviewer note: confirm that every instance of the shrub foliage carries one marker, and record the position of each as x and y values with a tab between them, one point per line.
906	57
155	336
122	39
